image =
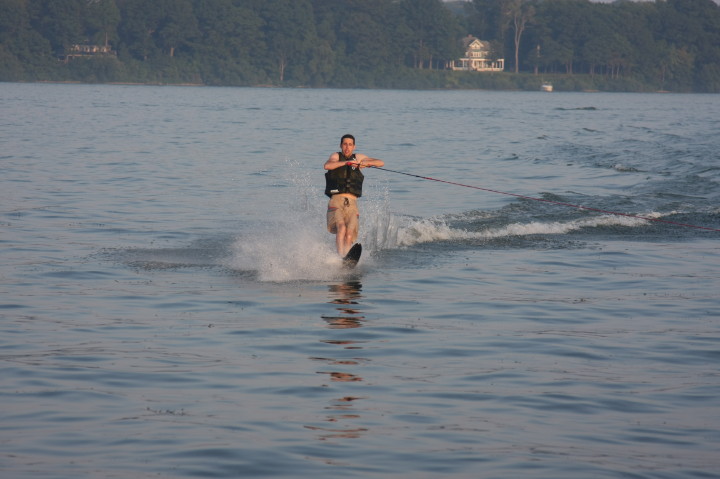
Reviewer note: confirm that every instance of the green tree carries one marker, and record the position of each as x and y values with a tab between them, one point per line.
289	29
520	14
140	21
230	39
679	72
325	61
489	19
634	21
709	78
59	21
151	29
23	51
618	54
565	26
177	25
360	41
692	28
101	20
432	32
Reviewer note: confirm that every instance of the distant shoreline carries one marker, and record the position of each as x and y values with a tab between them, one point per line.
195	85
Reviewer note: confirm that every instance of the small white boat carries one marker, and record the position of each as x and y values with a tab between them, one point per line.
546	87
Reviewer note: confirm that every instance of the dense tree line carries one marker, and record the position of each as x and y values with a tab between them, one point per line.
665	44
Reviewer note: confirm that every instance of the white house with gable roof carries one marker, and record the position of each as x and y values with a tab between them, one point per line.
477	57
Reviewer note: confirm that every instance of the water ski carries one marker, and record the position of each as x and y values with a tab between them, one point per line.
353	256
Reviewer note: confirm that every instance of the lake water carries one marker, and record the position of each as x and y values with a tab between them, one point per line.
171	304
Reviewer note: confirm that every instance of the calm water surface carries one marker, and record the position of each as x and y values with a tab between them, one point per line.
171	306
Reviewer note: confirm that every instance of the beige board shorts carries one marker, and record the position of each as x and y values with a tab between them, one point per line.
343	209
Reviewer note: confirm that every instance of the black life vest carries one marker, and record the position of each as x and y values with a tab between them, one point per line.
345	179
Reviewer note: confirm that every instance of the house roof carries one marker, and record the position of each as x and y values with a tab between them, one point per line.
469	40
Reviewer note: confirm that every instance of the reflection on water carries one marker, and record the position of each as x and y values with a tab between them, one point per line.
346	296
348	344
342	377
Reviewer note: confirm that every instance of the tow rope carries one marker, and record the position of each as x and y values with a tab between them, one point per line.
647	218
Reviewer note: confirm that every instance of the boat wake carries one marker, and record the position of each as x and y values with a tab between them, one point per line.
437	229
297	247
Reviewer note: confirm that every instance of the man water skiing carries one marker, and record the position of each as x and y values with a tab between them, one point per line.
343	184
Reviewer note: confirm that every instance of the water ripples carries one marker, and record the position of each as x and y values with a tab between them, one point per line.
172	306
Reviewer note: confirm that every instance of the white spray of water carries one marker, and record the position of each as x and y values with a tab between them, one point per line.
436	229
298	247
289	250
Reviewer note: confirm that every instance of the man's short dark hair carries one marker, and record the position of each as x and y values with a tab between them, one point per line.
348	135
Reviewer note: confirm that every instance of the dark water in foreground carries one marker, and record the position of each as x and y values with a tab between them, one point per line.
170	305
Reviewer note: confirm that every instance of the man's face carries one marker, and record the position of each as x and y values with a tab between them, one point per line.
347	146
